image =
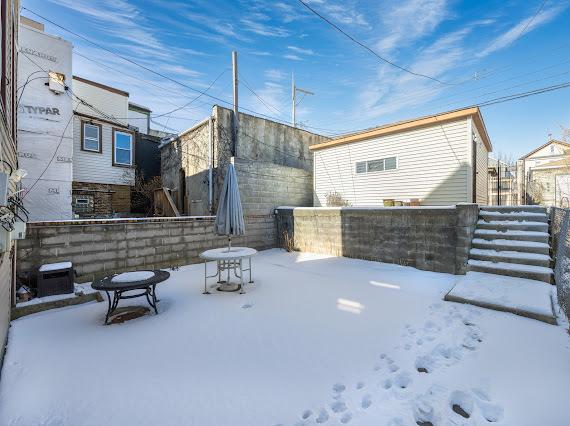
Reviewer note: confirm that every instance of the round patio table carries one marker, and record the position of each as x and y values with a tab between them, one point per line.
228	259
127	282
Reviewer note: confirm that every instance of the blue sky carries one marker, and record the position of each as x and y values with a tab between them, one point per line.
479	47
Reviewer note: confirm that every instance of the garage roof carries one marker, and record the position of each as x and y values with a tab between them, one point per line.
415	123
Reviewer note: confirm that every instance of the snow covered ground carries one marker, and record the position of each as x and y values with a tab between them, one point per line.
316	340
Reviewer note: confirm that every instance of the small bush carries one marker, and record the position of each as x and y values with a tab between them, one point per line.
335	199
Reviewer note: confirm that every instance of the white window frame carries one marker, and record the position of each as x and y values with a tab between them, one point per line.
115	148
84	136
376	171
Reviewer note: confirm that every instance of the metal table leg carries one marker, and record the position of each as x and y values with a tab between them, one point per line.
206	278
250	280
242	291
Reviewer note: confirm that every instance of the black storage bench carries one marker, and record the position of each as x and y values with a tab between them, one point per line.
55	278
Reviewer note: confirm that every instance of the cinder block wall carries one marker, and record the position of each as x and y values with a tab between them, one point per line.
429	238
101	247
263	186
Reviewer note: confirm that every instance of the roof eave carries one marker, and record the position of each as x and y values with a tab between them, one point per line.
411	125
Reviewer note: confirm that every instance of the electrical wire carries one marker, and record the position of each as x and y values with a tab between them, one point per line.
383	59
146	68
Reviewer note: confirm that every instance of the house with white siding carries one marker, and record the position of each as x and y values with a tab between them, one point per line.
103	151
434	160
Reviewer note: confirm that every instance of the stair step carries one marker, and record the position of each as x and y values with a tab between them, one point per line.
518	216
492	234
531	272
510	257
507	209
512	224
512	245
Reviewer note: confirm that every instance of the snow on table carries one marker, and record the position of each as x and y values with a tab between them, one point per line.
126	277
318	339
519	294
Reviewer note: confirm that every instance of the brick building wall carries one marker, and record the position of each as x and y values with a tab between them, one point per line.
100	200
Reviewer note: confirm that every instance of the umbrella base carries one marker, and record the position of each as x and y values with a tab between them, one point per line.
229	287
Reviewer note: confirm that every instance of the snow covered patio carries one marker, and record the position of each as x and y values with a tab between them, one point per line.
316	340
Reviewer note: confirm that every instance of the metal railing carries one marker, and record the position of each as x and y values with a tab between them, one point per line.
560	243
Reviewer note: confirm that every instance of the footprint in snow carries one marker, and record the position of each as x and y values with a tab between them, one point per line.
359	385
323	416
403	380
491	412
393	368
306	414
338	407
425	364
339	388
461	403
346	418
366	401
246	306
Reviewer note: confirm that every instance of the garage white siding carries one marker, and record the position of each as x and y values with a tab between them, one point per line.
482	161
433	164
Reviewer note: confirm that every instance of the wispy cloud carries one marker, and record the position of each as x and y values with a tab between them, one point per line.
274	74
522	28
410	20
343	12
293	57
300	50
118	18
259	24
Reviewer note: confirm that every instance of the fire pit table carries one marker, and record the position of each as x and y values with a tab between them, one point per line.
228	259
130	281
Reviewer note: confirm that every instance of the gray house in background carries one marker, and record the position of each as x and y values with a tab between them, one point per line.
273	162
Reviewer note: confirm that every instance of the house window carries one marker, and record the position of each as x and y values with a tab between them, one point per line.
83	203
379	165
91	137
376	165
122	148
390	163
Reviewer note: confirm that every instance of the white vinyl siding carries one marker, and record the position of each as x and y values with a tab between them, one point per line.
482	163
98	167
433	164
110	104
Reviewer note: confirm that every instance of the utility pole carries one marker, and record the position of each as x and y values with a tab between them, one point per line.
236	124
294	90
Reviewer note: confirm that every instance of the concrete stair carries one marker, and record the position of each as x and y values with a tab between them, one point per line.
512	241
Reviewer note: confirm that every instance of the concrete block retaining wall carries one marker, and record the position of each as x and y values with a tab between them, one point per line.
100	247
429	238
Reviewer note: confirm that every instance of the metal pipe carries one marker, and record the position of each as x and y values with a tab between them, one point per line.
210	166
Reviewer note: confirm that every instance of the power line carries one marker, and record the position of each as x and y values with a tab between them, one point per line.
530	21
268	106
383	59
166	77
525	94
133	77
194	99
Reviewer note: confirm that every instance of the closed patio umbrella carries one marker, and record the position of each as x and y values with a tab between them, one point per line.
229	219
